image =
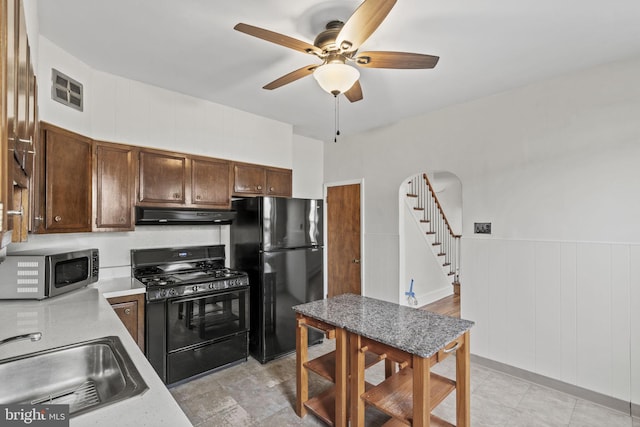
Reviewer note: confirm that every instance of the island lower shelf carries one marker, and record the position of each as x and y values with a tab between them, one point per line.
394	396
325	365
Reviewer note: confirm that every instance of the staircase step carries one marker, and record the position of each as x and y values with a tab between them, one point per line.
446	264
436	243
425	220
451	274
412	195
441	254
431	232
418	209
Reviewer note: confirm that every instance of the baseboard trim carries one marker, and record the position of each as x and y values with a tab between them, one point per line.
433	296
601	399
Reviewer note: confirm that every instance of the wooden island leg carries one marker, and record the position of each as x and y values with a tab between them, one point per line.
302	376
356	380
421	392
463	384
342	416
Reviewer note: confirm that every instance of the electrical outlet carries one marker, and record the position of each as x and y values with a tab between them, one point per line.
482	227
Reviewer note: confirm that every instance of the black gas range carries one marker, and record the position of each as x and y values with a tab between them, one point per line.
196	311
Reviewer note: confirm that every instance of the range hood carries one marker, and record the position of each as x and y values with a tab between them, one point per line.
177	216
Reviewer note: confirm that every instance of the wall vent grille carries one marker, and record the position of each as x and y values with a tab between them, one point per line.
66	90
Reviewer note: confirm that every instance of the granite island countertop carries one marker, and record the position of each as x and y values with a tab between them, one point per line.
413	330
80	316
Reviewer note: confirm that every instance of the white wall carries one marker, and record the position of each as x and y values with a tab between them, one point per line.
307	176
122	110
554	167
418	260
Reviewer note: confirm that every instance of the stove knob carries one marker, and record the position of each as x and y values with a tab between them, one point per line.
163	293
195	289
172	291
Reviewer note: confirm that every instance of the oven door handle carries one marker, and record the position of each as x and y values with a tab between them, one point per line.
204	296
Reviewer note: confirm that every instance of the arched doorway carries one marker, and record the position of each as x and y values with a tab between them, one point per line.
429	246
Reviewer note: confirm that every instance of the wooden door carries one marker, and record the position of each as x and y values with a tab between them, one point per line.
343	239
114	177
210	183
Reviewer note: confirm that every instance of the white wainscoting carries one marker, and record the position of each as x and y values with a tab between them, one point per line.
564	310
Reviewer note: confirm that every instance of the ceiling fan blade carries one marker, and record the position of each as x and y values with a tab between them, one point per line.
277	38
355	93
381	59
291	77
364	21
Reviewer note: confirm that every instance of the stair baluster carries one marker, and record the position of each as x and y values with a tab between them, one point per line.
446	241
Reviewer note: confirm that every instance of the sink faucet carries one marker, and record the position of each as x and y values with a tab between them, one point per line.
33	336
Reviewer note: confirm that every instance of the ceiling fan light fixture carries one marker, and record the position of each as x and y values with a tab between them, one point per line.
336	78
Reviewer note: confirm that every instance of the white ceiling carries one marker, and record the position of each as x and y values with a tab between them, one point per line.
485	47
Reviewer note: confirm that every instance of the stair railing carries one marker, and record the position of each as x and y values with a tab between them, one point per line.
433	215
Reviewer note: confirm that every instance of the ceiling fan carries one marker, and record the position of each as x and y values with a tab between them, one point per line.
337	46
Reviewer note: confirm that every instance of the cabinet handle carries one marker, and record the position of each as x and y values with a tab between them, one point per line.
271	189
57	218
121	220
176	195
452	349
15	213
356	261
259	187
127	311
198	197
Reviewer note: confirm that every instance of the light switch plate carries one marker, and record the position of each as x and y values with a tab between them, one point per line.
482	227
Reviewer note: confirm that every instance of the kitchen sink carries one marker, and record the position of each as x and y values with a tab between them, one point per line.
86	376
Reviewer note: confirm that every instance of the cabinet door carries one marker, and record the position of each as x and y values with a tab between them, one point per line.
162	178
279	182
114	177
130	310
248	179
10	28
210	183
23	144
8	48
67	181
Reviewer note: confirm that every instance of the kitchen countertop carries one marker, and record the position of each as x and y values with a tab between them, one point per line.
118	287
80	316
413	330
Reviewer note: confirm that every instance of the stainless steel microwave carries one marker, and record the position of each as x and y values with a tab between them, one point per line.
47	273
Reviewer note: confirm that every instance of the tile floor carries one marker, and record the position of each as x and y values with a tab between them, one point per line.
251	394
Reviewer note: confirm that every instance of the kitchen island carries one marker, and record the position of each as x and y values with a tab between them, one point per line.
80	316
410	338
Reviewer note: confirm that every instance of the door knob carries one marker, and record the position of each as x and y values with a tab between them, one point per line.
356	261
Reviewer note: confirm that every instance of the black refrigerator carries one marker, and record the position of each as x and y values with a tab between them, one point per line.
279	243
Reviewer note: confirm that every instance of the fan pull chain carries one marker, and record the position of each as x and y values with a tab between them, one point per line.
336	119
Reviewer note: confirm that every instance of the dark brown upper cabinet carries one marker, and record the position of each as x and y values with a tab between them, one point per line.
18	109
114	176
210	183
278	182
163	178
257	180
64	199
248	179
